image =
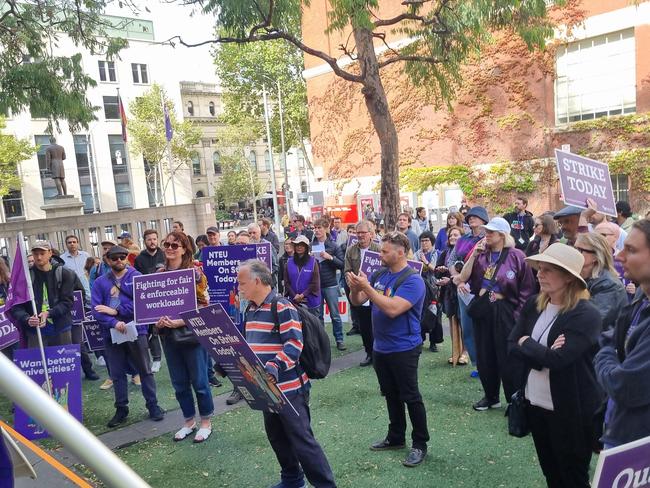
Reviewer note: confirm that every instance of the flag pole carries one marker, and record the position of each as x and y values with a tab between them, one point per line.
28	279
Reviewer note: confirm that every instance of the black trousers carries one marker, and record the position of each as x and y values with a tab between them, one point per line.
491	336
364	314
60	339
154	343
354	316
397	374
77	338
564	459
296	448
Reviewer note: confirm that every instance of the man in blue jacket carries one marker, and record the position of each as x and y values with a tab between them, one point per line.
112	305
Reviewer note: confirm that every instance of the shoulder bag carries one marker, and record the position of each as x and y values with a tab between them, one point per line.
480	305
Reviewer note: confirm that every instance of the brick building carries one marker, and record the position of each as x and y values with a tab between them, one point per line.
590	89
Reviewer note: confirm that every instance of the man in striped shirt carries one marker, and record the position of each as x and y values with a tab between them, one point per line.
279	347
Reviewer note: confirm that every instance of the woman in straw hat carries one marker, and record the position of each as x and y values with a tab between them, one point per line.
501	282
556	338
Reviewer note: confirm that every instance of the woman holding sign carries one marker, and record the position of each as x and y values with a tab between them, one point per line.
187	361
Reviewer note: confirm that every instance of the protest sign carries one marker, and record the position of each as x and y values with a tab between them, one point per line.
371	262
64	367
219	336
582	178
93	334
8	332
623	466
163	294
220	265
77	310
344	308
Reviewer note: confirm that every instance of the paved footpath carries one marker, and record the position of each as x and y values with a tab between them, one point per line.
141	431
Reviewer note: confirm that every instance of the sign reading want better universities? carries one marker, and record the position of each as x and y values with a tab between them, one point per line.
163	294
582	178
624	466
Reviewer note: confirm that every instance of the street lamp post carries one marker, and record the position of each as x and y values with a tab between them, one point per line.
276	213
287	199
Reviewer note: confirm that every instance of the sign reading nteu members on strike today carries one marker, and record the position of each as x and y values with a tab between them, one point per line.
582	178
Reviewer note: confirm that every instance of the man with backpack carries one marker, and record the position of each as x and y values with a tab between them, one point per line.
396	293
279	348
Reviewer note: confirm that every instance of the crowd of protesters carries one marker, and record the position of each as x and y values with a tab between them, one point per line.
552	307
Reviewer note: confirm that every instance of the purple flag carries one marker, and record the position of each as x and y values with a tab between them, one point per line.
20	289
169	132
8	332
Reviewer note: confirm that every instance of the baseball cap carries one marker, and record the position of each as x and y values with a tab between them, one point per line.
212	230
498	224
125	234
301	240
109	241
567	211
117	251
42	244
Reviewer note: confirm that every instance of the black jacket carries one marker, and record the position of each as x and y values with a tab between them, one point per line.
273	239
608	295
327	267
575	392
521	228
145	263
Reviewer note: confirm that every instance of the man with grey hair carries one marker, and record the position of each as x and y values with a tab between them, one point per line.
279	348
255	232
353	257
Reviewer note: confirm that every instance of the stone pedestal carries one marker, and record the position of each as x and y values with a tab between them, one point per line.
63	206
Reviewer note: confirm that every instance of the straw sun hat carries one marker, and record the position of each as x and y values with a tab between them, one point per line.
562	256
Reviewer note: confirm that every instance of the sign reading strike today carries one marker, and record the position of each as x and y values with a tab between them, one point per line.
582	178
163	294
624	466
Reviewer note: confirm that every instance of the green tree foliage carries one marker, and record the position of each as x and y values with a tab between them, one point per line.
12	151
244	68
239	180
31	76
443	36
147	131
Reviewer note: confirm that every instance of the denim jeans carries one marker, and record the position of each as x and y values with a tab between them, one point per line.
330	295
467	325
188	370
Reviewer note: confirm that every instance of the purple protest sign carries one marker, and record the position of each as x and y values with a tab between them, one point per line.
77	311
263	252
582	178
163	294
93	334
20	290
9	334
623	466
371	262
64	367
219	336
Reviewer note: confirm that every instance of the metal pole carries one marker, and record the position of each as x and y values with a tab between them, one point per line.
284	152
90	171
75	437
276	213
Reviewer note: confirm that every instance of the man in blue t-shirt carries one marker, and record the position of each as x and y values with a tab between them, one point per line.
397	297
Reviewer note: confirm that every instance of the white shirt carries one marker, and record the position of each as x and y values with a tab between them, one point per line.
76	264
538	387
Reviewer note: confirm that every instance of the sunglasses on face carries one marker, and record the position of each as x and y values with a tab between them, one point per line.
172	245
582	250
118	258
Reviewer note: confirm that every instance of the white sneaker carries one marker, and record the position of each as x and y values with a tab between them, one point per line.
100	361
155	366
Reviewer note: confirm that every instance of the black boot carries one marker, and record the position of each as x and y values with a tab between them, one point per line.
121	413
234	397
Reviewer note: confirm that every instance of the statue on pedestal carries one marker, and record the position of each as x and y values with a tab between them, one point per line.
54	156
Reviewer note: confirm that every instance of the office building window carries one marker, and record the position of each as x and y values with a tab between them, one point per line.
211	108
154	185
196	164
267	161
119	164
12	203
81	154
252	157
621	187
139	72
107	71
190	108
596	77
42	141
216	163
111	108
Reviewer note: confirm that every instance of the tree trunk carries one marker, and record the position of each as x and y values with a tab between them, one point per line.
377	105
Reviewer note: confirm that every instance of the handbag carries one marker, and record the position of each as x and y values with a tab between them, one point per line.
181	336
480	306
516	413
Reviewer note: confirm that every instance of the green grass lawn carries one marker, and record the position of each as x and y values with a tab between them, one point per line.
466	449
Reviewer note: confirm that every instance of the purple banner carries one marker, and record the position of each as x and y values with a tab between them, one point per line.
9	334
225	344
582	178
371	262
93	334
77	311
220	265
64	367
623	466
163	294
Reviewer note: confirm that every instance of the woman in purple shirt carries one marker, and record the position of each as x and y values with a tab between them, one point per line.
302	277
499	270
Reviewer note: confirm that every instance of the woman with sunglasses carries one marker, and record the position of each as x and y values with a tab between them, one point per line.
606	289
187	363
